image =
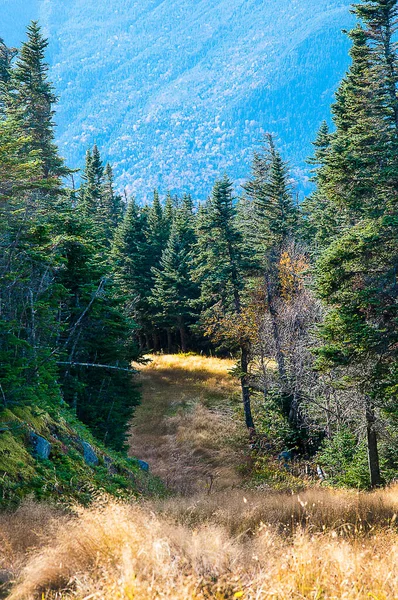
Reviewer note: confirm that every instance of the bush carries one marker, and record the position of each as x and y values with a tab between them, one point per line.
344	459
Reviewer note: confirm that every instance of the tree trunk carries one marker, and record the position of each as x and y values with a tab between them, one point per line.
155	339
183	334
148	346
373	452
140	342
244	363
280	359
169	340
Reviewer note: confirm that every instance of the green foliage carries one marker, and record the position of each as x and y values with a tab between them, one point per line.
344	460
273	214
175	293
29	101
64	477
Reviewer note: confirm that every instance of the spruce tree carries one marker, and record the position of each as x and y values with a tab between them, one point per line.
220	267
274	221
6	57
132	262
174	292
30	101
355	274
321	222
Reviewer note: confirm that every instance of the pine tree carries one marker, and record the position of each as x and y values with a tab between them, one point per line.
29	102
132	262
6	57
321	221
93	181
174	292
361	169
356	273
274	221
220	267
114	206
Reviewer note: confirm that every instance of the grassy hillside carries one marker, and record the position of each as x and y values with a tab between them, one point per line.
319	545
187	427
223	541
72	467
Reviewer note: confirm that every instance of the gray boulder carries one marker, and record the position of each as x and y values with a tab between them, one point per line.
89	455
41	448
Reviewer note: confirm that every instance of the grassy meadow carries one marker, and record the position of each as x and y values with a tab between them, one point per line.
214	536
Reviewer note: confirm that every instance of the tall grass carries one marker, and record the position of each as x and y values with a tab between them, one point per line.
186	428
118	551
231	543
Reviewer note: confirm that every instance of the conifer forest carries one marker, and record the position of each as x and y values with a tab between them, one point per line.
198	396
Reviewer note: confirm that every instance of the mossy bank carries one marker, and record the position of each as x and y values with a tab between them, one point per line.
51	455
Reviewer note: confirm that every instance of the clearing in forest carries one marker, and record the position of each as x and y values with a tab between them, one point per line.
188	427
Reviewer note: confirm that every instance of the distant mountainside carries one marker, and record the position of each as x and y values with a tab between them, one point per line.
176	92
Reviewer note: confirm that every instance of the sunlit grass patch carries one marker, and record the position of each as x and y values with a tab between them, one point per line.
128	552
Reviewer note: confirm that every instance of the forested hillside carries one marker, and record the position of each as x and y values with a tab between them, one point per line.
245	345
302	295
177	92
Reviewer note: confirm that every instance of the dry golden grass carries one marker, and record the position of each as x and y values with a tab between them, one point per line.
185	427
316	510
233	543
127	551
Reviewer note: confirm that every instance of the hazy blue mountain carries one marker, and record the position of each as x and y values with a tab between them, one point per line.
176	92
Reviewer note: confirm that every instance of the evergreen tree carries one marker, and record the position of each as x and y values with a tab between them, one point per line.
6	56
29	102
361	168
274	223
356	273
132	261
93	181
321	221
114	206
220	267
174	292
274	211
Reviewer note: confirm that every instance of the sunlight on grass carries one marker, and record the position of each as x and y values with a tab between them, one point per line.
128	551
186	427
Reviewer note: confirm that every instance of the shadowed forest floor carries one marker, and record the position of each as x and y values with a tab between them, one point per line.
187	428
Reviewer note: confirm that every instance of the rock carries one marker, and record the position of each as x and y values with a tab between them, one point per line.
41	446
89	455
143	465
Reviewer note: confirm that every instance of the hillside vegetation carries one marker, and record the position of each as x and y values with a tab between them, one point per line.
219	543
174	109
116	318
186	427
122	551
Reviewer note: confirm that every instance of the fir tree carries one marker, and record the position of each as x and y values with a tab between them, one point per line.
30	101
275	219
355	274
132	263
220	267
174	292
6	57
321	221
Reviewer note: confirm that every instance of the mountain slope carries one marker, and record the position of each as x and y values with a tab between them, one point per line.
178	91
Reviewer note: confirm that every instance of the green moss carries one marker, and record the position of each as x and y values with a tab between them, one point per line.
65	477
15	460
